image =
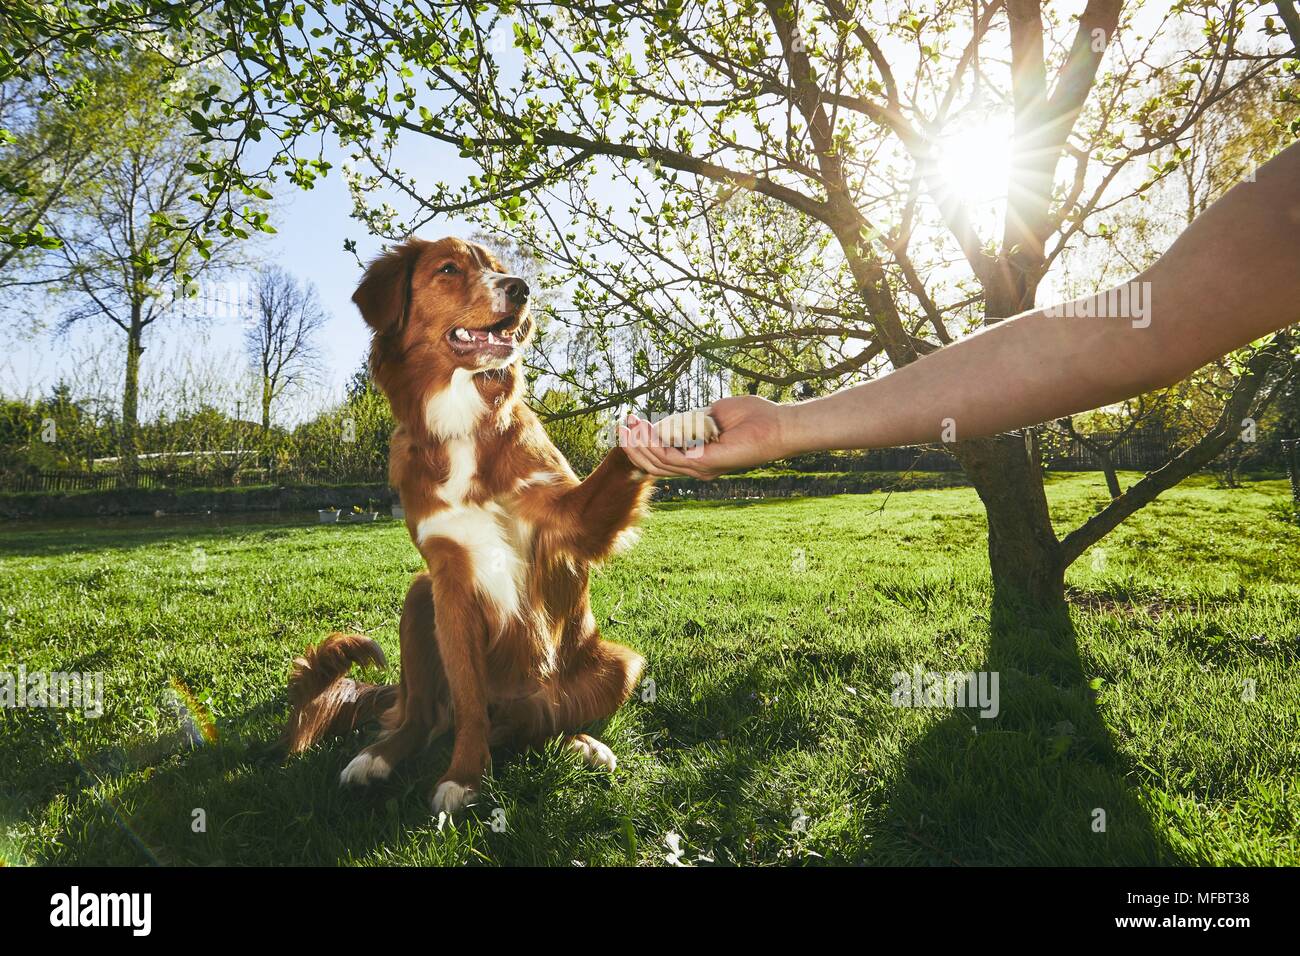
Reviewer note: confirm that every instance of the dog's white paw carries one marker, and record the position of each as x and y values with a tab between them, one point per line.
686	429
451	796
364	768
593	752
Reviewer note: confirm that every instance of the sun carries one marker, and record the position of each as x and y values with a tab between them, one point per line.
974	159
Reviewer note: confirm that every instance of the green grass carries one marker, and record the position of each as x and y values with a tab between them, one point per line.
772	630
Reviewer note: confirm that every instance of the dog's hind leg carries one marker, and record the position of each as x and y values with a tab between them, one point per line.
590	689
597	683
421	711
592	692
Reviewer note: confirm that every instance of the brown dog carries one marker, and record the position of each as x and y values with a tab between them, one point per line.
497	638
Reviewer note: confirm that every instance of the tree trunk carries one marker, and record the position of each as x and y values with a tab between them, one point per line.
1024	555
1112	479
1291	452
1230	471
266	406
131	399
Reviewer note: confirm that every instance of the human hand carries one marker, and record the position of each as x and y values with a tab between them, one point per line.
751	434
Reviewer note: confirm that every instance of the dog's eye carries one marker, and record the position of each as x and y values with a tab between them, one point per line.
449	269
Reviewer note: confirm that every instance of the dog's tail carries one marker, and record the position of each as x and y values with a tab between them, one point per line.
325	700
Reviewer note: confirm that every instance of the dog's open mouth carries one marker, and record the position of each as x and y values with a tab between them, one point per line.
498	341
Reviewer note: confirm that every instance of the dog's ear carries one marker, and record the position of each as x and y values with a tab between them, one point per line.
384	295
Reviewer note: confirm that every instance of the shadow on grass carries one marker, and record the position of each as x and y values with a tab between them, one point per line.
259	809
1023	790
1033	785
172	802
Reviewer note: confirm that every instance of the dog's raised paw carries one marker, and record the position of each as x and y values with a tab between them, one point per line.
450	796
686	429
363	768
593	752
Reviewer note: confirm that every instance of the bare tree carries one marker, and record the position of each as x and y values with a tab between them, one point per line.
280	339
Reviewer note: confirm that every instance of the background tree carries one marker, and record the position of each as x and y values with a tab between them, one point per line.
56	431
43	152
116	252
348	442
280	340
1105	431
583	439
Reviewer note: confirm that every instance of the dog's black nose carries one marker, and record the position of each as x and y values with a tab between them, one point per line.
517	291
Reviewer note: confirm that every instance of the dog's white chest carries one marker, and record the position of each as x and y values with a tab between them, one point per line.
455	411
494	545
462	465
495	542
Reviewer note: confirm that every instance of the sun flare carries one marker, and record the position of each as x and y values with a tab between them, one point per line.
974	159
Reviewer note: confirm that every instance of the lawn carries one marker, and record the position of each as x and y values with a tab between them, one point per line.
1167	709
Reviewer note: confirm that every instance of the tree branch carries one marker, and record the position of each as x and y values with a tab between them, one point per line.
1211	445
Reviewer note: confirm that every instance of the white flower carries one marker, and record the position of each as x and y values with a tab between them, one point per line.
674	843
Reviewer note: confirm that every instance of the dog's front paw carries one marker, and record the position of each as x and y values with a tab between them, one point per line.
593	752
686	429
363	768
451	796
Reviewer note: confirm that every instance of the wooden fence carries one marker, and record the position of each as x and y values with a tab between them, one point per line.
1138	452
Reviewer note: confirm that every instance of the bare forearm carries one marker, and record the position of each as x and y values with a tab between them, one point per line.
1232	277
1016	373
